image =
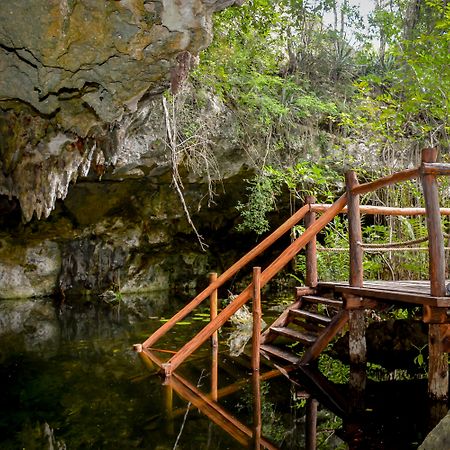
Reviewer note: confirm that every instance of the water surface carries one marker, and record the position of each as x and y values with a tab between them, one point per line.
70	380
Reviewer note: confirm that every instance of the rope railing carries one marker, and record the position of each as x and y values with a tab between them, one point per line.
387	247
376	250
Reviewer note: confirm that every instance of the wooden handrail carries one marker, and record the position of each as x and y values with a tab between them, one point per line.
404	175
435	169
244	296
252	254
382	210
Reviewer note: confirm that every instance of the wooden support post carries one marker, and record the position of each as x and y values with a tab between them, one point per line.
214	340
257	420
311	247
168	401
213	308
354	231
357	329
256	343
311	424
214	373
438	376
256	336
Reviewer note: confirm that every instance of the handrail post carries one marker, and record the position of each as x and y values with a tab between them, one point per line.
436	238
311	248
256	341
256	336
354	231
438	375
213	308
357	329
214	340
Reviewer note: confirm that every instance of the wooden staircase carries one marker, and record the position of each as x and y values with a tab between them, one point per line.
318	314
312	321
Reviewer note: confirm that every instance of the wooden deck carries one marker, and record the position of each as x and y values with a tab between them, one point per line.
413	292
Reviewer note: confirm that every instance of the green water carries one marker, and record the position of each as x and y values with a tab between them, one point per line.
70	380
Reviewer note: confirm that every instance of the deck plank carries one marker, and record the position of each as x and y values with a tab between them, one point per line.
403	291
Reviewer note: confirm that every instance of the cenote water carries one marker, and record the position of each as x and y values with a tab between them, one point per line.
70	380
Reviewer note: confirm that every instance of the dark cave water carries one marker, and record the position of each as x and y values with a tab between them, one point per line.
70	380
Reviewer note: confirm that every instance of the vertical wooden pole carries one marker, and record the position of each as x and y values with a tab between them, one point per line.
256	341
354	231
168	401
311	248
214	341
214	372
256	336
357	329
311	424
436	238
213	308
438	375
257	421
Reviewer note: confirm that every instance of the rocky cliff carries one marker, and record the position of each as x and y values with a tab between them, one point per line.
80	101
73	74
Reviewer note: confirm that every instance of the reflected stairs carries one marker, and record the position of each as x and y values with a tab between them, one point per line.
305	327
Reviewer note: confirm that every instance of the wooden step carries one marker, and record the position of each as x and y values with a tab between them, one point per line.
311	327
277	352
322	300
311	316
306	338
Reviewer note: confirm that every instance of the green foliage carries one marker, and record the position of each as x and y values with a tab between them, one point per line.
409	97
262	200
334	265
419	360
248	68
305	178
333	369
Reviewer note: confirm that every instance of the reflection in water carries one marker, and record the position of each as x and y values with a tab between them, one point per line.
70	380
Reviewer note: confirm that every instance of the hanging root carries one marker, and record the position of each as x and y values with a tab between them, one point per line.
175	160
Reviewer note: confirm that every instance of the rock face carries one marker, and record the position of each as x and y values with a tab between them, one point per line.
439	437
72	74
83	144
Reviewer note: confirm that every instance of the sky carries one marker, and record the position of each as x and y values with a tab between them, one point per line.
365	8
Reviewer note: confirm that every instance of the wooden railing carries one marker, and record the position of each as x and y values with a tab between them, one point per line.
427	171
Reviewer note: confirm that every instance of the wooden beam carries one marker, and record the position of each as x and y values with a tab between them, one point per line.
311	424
383	210
436	238
311	248
356	322
438	362
387	295
435	315
257	419
438	375
386	181
354	231
256	336
213	309
435	169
